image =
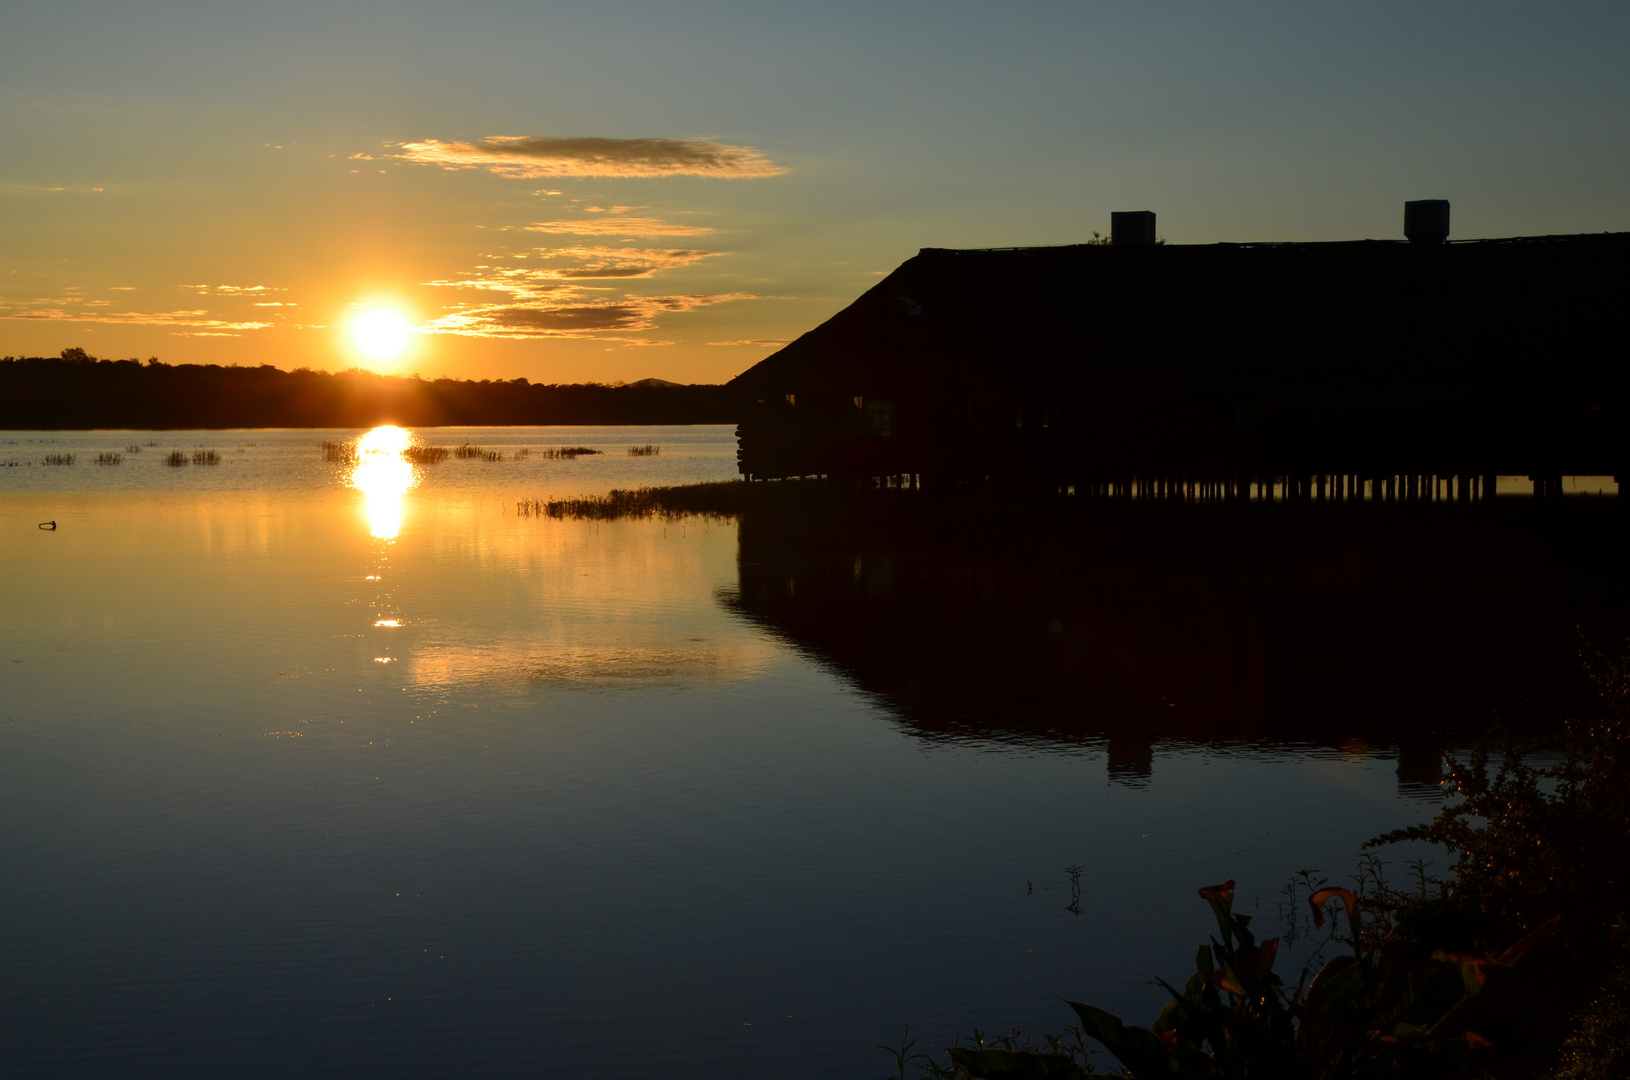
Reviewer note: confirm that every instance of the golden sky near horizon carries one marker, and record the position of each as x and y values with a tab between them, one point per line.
618	191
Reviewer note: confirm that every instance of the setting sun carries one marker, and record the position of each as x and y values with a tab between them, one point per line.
381	333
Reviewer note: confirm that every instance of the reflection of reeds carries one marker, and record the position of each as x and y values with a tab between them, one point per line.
110	459
339	451
644	451
57	459
569	452
425	455
206	457
717	500
176	457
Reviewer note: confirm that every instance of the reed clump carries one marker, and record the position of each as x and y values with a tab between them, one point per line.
110	459
339	451
644	451
720	500
133	448
177	458
569	452
206	457
465	450
57	459
426	455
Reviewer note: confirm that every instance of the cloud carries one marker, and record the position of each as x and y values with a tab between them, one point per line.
757	343
533	157
617	226
583	264
196	320
233	290
577	316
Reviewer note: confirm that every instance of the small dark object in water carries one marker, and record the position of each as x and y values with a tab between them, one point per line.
49	526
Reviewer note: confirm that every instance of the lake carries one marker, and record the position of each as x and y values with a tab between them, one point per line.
297	778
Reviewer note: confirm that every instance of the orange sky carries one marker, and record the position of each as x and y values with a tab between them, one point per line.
614	191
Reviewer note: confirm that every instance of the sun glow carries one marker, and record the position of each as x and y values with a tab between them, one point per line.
381	333
383	475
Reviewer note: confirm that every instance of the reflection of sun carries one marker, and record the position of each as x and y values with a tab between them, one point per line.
381	333
384	476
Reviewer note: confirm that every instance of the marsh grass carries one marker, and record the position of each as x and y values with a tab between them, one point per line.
206	457
644	451
465	450
720	500
57	459
523	452
569	452
177	458
110	459
339	451
133	448
426	455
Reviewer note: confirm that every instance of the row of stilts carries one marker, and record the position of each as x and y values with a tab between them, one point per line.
1337	487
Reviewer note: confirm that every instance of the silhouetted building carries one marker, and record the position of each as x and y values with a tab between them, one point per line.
1151	367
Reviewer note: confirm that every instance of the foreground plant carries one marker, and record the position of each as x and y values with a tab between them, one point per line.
1385	1010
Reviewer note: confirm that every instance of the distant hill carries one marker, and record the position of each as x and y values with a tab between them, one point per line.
76	390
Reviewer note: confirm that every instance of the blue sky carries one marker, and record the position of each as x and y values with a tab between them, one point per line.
234	183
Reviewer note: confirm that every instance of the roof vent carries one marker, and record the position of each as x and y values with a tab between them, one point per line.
1134	227
1426	221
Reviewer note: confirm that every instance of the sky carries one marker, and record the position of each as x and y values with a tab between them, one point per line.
614	191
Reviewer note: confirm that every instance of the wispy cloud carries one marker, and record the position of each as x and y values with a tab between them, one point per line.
572	316
234	290
196	321
617	226
581	264
758	343
533	157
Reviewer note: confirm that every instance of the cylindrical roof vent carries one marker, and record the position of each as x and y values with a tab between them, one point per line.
1131	227
1426	221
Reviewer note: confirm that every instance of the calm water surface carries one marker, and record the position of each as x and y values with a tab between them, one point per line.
297	778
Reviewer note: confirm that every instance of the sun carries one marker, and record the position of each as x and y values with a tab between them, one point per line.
381	333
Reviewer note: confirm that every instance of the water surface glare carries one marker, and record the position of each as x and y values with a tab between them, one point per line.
339	767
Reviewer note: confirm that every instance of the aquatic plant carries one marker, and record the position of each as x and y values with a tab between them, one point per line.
177	457
110	459
426	455
569	452
339	451
133	448
57	459
644	451
523	452
465	450
206	457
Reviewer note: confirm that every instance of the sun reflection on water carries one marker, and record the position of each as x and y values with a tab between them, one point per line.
383	475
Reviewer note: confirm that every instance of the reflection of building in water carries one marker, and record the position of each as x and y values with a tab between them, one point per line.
1383	369
1316	628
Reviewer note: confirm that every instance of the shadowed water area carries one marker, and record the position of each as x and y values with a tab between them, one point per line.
332	763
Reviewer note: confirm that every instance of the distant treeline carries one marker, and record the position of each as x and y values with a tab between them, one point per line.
77	390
